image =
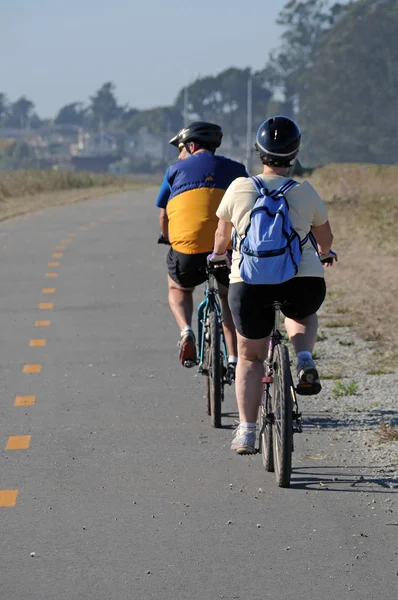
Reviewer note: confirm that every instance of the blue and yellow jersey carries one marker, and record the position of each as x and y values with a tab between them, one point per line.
191	192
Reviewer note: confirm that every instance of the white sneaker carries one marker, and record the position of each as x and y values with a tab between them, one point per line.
244	441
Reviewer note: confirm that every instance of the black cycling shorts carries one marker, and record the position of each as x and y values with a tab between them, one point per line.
251	305
189	270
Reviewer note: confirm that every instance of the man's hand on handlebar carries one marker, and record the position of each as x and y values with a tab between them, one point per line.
163	240
328	259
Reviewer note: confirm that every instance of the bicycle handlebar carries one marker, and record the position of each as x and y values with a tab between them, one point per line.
163	240
214	266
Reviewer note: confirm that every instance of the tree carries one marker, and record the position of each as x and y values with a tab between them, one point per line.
71	114
21	151
20	114
163	119
103	106
349	103
304	25
3	106
223	99
122	121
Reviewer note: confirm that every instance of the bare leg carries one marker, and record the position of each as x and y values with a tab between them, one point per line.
302	333
181	303
249	375
228	324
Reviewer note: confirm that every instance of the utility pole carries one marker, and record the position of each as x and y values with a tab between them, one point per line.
166	141
186	106
101	128
249	124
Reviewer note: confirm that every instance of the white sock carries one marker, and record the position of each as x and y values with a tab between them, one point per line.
232	359
186	328
304	354
248	426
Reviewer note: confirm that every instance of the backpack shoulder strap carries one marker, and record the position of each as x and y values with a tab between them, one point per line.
285	187
258	184
260	189
282	190
288	185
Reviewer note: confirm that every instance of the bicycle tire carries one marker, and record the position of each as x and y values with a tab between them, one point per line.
206	365
266	438
215	370
282	409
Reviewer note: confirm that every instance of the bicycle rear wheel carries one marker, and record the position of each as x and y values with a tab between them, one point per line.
282	409
215	370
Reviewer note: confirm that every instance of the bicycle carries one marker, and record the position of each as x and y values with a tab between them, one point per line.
213	355
279	414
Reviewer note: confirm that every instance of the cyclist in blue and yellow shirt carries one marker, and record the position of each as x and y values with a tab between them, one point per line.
189	196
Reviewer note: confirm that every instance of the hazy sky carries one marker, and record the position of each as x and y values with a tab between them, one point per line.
61	51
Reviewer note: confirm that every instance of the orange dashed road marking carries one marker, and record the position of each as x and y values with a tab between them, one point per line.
18	442
46	305
8	497
24	400
37	343
54	264
60	247
42	323
71	234
48	291
57	254
32	369
51	274
66	241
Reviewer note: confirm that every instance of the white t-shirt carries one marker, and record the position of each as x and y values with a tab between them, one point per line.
305	209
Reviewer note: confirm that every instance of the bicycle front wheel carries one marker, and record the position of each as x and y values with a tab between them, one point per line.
215	370
282	409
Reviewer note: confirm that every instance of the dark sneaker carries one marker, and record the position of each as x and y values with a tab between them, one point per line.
188	349
244	441
308	384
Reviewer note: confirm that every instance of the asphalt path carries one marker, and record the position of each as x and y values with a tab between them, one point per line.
113	485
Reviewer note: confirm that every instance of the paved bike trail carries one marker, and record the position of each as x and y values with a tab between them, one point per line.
113	485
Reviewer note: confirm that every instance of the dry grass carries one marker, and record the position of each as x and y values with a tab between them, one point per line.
15	184
362	202
26	191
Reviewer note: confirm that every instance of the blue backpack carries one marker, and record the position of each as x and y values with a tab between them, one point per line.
271	248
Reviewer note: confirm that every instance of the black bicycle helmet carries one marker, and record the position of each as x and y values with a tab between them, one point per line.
278	141
208	135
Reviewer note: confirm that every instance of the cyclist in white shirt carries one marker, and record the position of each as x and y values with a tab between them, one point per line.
277	142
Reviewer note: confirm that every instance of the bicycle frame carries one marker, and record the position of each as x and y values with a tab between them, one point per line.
211	302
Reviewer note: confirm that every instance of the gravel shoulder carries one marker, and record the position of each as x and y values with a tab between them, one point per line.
353	403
